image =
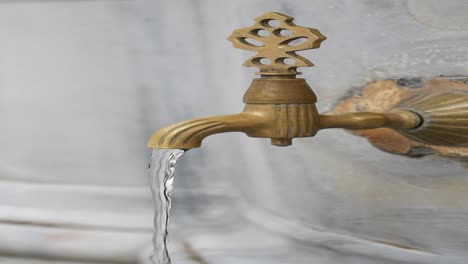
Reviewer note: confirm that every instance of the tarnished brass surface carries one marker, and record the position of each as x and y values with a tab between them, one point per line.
276	38
442	103
399	119
189	134
445	117
279	91
280	122
278	106
281	107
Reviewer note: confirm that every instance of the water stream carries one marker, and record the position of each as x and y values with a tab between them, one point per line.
161	173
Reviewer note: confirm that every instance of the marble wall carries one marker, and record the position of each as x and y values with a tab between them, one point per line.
83	84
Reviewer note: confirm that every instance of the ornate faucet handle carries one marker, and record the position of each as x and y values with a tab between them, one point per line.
276	39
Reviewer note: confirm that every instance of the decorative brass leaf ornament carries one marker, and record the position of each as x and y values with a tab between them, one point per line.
276	38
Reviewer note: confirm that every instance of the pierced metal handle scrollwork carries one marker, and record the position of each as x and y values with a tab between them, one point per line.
276	38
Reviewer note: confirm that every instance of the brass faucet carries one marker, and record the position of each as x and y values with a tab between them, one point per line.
280	106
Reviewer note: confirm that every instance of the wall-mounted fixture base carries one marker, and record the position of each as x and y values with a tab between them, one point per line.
442	102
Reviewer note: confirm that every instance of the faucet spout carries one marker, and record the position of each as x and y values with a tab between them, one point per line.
280	123
190	133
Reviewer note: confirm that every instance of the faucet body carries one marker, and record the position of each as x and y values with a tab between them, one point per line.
280	109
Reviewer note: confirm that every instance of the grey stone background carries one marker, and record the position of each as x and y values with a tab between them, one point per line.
83	85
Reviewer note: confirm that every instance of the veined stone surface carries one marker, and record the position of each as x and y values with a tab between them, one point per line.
83	84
